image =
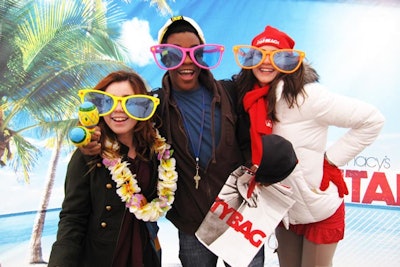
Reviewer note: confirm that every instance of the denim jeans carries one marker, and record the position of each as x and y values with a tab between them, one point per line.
193	253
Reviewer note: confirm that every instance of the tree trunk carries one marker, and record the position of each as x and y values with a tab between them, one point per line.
36	242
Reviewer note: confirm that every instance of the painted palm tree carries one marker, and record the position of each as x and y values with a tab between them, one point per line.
48	50
56	143
51	49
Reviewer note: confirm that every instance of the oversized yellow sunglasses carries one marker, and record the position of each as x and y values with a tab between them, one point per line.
139	107
283	60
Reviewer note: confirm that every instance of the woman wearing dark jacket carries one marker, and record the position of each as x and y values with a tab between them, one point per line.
111	204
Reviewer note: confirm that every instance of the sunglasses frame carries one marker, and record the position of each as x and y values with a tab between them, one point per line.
116	99
264	53
220	49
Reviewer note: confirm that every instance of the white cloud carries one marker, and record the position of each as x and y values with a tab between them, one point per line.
136	37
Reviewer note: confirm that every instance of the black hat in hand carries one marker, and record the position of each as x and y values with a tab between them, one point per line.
278	159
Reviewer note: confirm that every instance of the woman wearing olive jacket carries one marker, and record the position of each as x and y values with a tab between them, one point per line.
91	217
99	225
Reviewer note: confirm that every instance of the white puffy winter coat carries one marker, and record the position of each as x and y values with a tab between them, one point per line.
306	126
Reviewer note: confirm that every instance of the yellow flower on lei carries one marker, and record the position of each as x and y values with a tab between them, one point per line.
129	191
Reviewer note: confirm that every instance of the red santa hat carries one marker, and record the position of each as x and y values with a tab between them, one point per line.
273	37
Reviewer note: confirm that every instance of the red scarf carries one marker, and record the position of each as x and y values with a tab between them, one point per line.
255	105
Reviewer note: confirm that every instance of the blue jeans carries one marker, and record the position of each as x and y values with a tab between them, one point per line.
193	253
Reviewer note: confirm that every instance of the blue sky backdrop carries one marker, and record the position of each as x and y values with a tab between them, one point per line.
352	44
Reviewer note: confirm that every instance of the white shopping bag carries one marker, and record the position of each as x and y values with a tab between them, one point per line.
236	227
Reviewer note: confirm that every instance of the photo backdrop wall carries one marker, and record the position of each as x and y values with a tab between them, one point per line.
352	44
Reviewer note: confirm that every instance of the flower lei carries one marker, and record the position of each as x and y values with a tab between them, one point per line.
129	190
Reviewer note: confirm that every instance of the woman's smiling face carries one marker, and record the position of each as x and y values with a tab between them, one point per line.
118	121
265	73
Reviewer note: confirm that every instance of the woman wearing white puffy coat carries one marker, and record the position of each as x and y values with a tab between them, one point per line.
280	94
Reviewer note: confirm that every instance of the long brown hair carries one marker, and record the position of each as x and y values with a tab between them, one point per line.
293	86
144	132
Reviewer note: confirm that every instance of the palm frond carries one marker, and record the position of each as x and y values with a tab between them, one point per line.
162	6
55	92
50	50
27	155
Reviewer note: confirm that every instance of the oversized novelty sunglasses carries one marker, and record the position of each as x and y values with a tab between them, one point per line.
205	56
138	107
283	60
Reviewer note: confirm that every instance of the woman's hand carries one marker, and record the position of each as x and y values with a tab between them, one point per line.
334	175
93	148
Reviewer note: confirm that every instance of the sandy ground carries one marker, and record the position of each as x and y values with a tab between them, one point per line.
371	240
17	255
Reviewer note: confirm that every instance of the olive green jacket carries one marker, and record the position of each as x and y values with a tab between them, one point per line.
91	217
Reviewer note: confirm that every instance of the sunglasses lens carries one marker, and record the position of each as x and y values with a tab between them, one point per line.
168	57
140	107
103	102
286	60
208	56
248	57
